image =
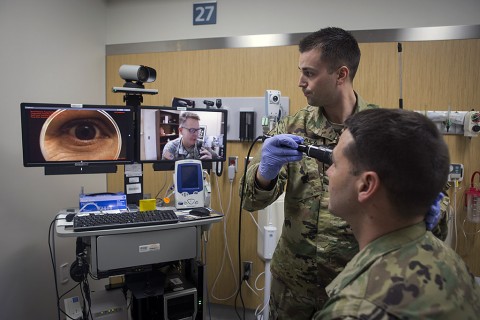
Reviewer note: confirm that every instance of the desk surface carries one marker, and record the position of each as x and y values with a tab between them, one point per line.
65	229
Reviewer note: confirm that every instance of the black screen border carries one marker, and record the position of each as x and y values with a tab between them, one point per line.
167	165
128	136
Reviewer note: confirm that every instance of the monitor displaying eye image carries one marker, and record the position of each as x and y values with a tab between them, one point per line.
168	134
56	134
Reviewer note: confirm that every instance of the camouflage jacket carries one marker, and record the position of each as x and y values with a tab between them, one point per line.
407	274
314	245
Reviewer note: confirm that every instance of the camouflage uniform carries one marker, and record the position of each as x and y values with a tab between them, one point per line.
176	148
406	274
179	152
314	245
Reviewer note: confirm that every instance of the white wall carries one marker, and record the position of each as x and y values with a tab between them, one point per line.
51	51
158	20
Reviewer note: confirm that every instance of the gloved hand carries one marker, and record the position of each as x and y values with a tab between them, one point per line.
433	215
277	151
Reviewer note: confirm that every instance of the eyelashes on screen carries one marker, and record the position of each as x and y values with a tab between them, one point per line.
84	131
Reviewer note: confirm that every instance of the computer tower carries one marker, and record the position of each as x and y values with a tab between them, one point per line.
159	296
180	305
108	305
147	295
201	290
196	272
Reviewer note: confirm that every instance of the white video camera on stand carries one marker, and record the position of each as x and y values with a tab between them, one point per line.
272	110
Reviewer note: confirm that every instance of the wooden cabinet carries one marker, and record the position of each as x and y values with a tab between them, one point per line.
167	129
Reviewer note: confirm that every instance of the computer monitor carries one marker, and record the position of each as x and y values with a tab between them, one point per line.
76	136
167	134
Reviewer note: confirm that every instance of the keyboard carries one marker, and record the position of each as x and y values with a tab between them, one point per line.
130	219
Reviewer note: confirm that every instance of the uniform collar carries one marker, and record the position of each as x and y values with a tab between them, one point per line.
319	124
184	151
374	251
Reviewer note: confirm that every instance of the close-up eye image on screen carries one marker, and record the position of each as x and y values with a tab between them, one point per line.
61	134
72	135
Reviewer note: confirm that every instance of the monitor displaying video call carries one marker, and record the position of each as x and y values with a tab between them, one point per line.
68	134
167	134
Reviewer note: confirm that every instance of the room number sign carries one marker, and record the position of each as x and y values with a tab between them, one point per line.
205	13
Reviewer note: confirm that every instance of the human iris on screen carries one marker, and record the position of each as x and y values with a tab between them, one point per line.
74	135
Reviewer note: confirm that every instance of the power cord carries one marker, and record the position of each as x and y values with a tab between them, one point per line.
267	276
52	251
226	251
454	214
51	239
164	178
239	293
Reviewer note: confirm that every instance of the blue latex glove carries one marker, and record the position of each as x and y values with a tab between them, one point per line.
433	215
277	151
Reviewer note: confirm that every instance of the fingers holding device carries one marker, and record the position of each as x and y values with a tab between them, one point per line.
205	154
280	149
277	151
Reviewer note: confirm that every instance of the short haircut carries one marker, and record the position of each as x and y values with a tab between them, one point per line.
337	46
187	115
405	149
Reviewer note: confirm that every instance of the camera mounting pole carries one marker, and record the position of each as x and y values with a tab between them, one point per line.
133	100
133	173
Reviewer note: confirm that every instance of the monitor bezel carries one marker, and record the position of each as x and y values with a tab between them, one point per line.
81	166
159	164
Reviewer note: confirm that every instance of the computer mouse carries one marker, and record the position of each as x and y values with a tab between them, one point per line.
69	217
200	212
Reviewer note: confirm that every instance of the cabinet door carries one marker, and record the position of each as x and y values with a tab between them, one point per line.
167	123
145	248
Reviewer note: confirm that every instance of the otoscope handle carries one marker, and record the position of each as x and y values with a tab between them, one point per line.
321	153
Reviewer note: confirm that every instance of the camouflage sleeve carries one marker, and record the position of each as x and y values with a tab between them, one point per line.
441	229
169	150
342	307
255	198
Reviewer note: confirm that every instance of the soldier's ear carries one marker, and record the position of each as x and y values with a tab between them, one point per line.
368	184
342	74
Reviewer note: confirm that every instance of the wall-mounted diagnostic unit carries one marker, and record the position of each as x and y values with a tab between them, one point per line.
466	123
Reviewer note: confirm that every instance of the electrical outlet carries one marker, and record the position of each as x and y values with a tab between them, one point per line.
248	160
247	270
233	161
